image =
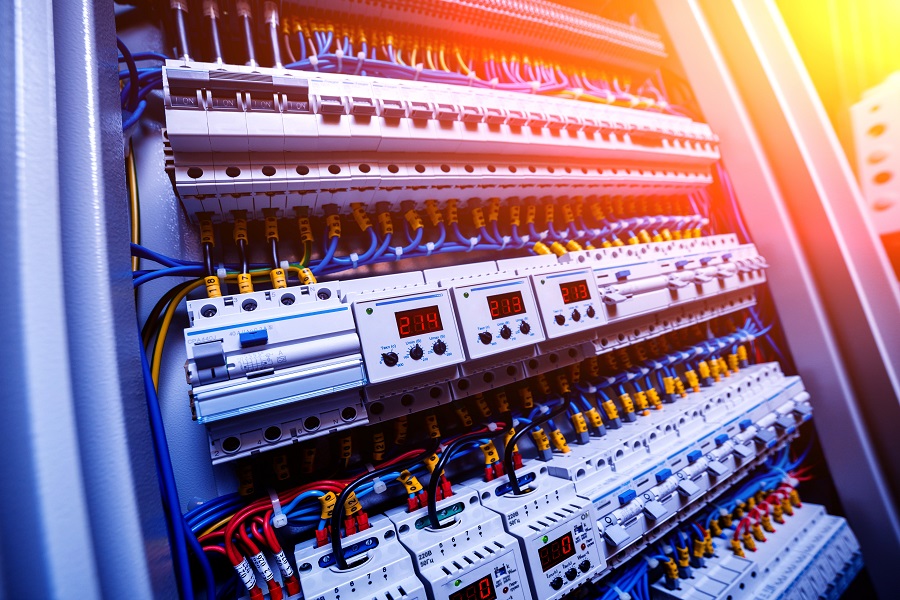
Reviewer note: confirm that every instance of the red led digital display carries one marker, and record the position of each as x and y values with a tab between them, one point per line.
419	321
575	291
555	552
483	589
506	305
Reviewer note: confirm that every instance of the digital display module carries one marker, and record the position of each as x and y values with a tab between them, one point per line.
419	321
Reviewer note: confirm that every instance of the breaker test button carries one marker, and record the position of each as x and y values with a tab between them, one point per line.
390	359
249	339
627	496
439	347
721	439
505	332
745	424
663	474
694	456
416	352
625	274
485	337
524	327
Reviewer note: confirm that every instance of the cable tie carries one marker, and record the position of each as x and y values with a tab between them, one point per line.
525	239
378	486
354	259
279	519
429	248
543	235
340	58
472	77
398	251
610	97
362	61
419	68
492	426
221	273
577	92
515	422
544	410
314	61
494	82
473	241
284	265
369	467
505	239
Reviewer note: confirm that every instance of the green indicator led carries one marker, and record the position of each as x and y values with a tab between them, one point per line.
544	539
542	282
369	311
466	295
457	582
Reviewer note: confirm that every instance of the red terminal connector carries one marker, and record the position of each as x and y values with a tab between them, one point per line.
321	537
362	520
498	469
517	460
349	526
275	591
292	585
256	594
488	473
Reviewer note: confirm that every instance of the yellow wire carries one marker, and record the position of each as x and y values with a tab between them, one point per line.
397	57
164	329
428	59
216	526
134	200
442	61
412	59
462	63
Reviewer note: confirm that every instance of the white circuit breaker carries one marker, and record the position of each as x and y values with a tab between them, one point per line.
556	529
470	557
380	567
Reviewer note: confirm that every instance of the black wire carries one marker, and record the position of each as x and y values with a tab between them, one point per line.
242	250
275	253
181	27
214	37
134	86
207	258
338	513
248	34
446	455
508	449
152	322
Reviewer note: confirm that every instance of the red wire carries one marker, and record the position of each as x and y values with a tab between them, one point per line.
218	549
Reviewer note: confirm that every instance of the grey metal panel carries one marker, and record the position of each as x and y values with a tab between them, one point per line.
830	283
46	544
126	518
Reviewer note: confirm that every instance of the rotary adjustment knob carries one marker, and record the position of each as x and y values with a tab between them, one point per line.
556	583
524	327
576	316
505	332
571	574
485	337
560	320
416	352
590	311
439	347
390	359
585	566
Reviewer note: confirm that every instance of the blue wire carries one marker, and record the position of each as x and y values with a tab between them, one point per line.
185	271
178	529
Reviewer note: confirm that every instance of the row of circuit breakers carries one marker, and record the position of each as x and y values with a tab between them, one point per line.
420	339
587	511
353	351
